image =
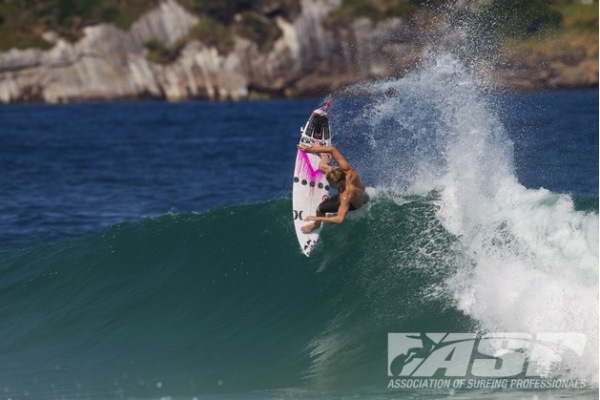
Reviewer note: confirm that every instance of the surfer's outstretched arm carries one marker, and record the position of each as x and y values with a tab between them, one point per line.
335	153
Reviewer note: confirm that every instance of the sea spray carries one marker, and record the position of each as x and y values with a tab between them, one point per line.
529	261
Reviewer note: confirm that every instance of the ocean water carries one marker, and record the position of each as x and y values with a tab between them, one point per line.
147	249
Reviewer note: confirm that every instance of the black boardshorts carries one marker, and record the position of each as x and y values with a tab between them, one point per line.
332	205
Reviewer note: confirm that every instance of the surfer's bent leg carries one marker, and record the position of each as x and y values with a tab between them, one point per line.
328	206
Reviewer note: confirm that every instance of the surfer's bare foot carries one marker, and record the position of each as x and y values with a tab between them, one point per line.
308	228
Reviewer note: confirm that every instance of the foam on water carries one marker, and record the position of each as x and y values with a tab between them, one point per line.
531	259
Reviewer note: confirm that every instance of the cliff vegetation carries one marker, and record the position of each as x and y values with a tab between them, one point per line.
74	50
23	22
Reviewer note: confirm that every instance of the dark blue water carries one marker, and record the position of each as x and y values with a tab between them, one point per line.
73	169
70	170
556	140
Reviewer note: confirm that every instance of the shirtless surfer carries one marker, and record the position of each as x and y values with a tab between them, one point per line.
343	178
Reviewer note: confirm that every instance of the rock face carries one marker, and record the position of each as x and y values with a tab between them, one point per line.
307	59
107	63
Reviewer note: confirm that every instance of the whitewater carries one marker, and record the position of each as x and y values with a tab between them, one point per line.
528	259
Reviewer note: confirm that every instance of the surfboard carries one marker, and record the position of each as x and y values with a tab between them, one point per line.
310	185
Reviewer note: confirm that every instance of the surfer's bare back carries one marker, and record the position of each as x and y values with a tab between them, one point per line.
344	178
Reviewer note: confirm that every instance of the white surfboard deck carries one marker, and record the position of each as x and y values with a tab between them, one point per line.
310	185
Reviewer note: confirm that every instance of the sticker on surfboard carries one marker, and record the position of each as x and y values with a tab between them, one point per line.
310	186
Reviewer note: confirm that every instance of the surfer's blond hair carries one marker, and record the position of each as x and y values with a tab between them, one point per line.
336	175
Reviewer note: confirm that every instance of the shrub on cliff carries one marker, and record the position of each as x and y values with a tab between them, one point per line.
24	21
251	19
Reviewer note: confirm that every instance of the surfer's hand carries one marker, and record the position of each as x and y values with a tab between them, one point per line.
314	148
305	148
310	218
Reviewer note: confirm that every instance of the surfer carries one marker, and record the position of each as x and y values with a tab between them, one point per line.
344	178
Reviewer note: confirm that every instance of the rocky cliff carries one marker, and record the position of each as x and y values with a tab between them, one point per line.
308	58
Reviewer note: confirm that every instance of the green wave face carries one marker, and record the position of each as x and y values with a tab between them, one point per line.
223	300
